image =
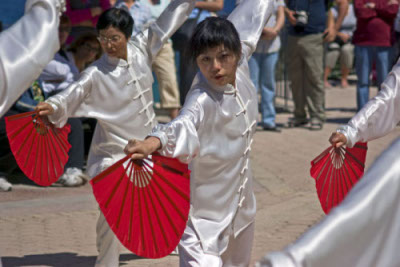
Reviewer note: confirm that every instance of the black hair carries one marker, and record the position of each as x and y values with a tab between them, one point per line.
117	18
212	32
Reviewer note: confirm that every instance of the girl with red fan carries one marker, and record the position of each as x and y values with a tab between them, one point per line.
213	132
377	118
117	91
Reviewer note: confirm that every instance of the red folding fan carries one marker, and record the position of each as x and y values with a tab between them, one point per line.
40	149
146	203
336	171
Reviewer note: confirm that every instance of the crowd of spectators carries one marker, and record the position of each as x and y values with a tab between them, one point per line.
320	36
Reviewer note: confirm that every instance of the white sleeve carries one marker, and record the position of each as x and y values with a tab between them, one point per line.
379	116
26	47
68	101
179	138
249	18
162	29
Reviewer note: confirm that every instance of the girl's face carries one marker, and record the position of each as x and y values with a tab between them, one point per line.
88	51
218	65
113	42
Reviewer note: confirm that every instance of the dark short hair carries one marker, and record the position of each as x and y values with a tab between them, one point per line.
117	18
212	32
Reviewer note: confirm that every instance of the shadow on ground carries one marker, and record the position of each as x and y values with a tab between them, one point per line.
66	259
341	109
337	120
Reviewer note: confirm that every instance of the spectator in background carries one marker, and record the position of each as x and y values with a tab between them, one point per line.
396	49
140	13
373	40
187	69
164	65
342	47
311	23
57	76
262	65
66	65
84	51
84	15
63	70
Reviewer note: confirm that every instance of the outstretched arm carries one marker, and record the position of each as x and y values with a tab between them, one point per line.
249	18
64	104
379	116
167	23
27	47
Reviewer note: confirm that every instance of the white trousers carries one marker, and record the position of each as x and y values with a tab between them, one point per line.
237	254
107	244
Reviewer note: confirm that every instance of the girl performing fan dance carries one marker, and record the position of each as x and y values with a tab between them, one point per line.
377	118
116	90
214	133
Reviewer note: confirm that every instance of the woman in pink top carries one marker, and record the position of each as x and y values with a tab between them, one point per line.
373	39
84	15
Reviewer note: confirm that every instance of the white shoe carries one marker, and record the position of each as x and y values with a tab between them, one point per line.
175	252
5	185
72	177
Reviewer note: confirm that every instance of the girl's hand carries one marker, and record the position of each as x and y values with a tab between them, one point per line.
338	139
44	109
142	149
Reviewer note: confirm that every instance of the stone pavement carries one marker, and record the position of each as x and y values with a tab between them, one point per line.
56	226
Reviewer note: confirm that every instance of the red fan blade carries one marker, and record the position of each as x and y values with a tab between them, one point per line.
40	149
146	203
336	171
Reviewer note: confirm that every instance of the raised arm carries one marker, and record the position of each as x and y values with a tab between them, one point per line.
27	47
167	23
379	116
249	18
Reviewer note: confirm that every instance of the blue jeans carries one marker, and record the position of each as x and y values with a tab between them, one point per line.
262	74
365	56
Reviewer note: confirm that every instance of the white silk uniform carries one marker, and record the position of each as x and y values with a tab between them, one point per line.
118	94
214	132
363	231
26	48
379	116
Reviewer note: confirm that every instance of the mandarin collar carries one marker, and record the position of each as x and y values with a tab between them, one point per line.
118	61
225	89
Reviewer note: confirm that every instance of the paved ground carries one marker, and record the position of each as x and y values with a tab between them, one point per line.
56	226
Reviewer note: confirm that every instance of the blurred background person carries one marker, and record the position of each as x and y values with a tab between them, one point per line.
373	40
57	76
341	48
139	12
263	62
164	65
84	15
68	63
311	24
187	69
